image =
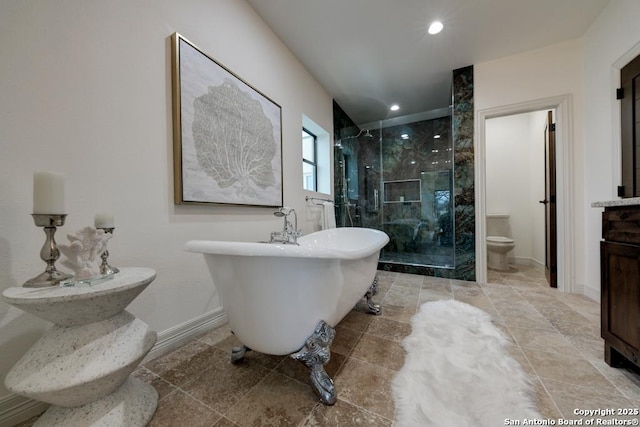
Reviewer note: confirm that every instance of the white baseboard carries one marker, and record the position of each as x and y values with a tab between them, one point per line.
588	292
180	334
528	261
15	409
537	264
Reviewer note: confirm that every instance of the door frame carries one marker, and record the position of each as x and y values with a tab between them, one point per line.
564	183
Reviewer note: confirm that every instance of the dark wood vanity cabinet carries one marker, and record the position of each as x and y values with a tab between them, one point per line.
620	283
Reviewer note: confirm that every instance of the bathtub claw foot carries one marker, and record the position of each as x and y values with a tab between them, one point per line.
237	353
373	289
373	308
323	385
315	354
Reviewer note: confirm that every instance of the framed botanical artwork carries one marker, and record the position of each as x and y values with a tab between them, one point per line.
227	135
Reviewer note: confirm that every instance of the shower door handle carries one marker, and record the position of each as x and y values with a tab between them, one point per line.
376	199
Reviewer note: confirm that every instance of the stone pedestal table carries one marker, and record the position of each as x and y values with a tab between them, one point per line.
82	364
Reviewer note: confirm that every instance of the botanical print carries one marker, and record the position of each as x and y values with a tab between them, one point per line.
231	150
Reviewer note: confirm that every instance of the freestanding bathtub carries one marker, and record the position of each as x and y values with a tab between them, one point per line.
286	298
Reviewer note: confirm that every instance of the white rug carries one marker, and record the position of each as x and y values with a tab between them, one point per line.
458	373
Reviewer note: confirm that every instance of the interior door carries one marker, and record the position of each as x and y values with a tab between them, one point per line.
629	96
551	244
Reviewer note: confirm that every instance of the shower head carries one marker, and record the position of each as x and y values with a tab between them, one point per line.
366	132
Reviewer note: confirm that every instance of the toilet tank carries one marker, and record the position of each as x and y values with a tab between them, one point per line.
498	225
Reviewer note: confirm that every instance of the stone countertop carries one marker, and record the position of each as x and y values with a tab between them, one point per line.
629	201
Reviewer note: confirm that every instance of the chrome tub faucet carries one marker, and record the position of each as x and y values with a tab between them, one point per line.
290	232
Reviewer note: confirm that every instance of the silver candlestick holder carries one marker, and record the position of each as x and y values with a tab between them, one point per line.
49	252
105	268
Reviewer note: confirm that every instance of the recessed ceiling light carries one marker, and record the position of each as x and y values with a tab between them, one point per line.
435	27
436	136
404	136
395	107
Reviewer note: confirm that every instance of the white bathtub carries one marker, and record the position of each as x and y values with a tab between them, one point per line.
276	294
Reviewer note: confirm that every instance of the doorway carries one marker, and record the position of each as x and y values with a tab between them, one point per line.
562	106
515	183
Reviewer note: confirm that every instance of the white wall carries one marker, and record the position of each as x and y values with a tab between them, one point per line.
611	42
538	75
86	90
514	151
588	69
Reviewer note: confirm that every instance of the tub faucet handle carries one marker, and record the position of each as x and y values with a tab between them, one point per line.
290	232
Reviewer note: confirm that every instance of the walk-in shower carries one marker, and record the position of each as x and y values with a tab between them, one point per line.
397	176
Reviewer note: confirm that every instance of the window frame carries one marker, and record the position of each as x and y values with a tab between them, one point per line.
313	163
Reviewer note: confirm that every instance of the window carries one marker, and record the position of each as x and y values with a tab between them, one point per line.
317	150
309	161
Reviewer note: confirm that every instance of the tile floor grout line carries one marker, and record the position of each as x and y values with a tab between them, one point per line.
520	285
535	371
189	395
541	379
621	391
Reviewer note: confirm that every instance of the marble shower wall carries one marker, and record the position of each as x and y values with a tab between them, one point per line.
343	127
417	171
464	173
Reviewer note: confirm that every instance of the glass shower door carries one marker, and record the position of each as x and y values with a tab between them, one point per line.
417	185
399	179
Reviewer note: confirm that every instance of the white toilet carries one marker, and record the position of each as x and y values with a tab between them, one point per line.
499	241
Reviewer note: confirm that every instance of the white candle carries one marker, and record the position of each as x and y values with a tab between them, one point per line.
48	193
104	221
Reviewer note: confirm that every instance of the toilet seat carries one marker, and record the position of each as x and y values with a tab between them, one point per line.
499	239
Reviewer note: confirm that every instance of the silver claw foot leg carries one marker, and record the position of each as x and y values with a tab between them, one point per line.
372	307
237	353
315	354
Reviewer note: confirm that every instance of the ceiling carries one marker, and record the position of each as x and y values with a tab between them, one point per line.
370	54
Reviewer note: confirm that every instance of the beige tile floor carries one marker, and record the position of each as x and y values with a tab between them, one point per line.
555	336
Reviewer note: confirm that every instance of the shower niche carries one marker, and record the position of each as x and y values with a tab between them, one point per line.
405	190
399	179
